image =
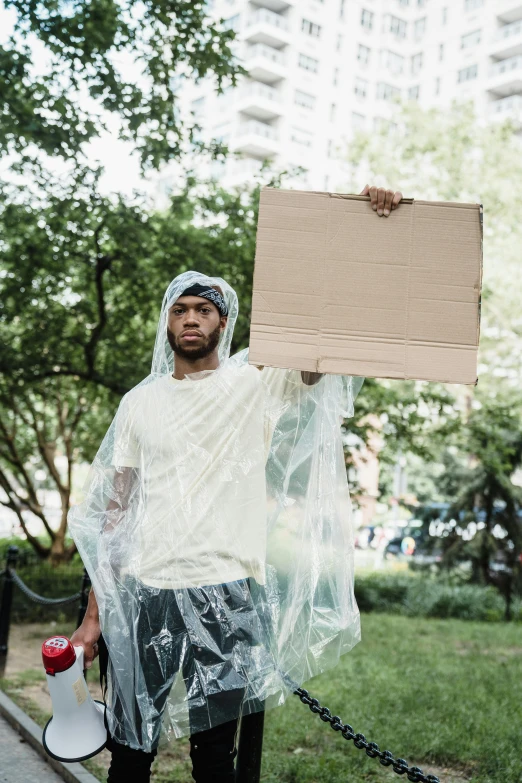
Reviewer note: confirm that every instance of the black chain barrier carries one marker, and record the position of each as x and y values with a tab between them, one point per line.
40	599
386	758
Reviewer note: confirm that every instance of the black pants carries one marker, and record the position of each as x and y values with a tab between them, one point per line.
212	753
202	642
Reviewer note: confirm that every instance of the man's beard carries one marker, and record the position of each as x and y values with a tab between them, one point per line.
208	345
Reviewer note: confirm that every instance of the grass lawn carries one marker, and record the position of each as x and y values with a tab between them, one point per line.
443	694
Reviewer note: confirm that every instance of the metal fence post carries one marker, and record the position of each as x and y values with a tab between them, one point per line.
5	606
84	598
250	748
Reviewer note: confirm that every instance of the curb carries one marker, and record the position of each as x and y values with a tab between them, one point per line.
32	734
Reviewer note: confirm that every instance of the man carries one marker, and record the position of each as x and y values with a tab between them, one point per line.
216	531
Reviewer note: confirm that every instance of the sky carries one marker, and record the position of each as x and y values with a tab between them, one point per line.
122	170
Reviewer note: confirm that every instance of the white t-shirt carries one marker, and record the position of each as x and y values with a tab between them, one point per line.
200	447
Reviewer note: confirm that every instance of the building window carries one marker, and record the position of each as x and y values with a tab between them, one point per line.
360	87
302	137
339	44
416	63
311	28
382	125
404	2
421	3
413	93
392	61
441	52
358	120
419	27
466	74
472	5
387	92
367	19
445	14
304	99
437	85
336	77
392	24
341	9
232	23
363	54
470	39
308	63
333	112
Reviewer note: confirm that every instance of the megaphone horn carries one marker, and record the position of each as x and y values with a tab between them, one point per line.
77	729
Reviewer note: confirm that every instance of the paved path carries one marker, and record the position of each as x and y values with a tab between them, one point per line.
19	763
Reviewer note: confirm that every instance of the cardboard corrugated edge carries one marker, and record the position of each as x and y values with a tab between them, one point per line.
481	221
358	197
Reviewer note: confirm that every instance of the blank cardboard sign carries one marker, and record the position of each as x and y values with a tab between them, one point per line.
338	289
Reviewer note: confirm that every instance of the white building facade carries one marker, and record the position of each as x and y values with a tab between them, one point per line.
321	69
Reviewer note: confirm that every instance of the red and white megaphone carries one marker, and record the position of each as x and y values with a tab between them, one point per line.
77	729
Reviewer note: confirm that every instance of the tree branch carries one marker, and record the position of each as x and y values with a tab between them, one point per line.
16	461
92	377
14	506
103	263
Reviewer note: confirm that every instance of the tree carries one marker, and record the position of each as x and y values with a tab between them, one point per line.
80	292
69	67
487	504
451	156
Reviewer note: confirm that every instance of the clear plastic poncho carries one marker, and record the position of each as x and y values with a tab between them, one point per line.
216	529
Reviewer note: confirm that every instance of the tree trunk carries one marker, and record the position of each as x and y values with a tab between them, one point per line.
484	544
484	557
59	552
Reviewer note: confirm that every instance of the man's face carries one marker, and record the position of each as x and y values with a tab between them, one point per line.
194	327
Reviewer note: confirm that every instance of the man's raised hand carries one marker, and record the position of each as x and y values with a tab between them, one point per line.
382	201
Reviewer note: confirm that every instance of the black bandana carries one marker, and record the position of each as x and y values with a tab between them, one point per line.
207	293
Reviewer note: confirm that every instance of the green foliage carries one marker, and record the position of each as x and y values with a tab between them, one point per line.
439	693
83	277
451	156
413	416
68	68
416	596
492	439
49	582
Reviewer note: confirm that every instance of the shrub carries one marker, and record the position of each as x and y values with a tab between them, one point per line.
45	580
416	596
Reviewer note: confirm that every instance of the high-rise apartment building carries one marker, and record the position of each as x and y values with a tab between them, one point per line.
320	69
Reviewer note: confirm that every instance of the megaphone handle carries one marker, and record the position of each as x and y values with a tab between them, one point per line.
79	656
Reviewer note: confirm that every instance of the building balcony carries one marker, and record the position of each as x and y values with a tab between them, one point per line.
266	27
509	10
255	138
276	5
245	167
265	64
241	170
260	101
505	77
507	41
507	109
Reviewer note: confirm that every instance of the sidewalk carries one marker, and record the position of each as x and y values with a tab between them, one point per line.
27	762
19	763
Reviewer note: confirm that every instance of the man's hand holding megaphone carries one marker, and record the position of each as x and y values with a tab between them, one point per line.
88	633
